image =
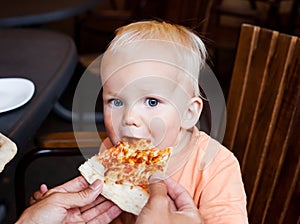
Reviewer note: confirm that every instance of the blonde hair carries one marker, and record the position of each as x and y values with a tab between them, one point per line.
190	48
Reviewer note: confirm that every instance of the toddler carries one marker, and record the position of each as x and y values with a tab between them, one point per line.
150	75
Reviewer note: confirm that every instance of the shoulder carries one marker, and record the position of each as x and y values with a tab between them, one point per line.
213	153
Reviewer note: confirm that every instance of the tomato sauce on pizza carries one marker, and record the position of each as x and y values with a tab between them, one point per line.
133	162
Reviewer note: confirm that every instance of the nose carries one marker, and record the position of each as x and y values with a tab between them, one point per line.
132	117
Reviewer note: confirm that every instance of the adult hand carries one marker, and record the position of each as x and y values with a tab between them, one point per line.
169	202
74	201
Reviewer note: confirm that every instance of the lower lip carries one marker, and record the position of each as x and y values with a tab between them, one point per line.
133	138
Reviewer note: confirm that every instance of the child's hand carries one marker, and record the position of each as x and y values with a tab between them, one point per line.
37	195
180	210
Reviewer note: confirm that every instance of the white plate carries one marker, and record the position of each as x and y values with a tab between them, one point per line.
14	92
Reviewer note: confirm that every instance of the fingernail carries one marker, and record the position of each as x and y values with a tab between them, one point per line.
96	185
158	176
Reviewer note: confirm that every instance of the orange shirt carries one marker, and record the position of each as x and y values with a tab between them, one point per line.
211	174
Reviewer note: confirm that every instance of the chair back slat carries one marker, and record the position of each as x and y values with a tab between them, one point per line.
261	110
285	119
236	95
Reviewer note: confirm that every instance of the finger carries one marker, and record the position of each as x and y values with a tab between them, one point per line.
31	200
77	184
158	193
102	213
172	204
100	199
43	188
157	187
179	195
80	199
37	195
107	217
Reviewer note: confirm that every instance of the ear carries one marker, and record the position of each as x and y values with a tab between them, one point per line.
192	113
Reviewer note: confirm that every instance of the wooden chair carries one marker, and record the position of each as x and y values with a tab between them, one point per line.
263	122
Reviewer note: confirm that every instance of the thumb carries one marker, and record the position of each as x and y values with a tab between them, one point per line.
82	198
158	192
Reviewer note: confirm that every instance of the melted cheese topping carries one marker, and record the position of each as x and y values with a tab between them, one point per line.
133	162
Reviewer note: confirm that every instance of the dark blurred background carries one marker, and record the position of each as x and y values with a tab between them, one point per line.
217	22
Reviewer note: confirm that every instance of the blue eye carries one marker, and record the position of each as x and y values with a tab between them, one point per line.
152	102
116	102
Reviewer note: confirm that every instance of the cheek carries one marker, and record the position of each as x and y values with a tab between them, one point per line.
111	126
107	118
158	127
165	129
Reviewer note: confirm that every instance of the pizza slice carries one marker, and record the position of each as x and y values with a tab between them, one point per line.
124	170
8	150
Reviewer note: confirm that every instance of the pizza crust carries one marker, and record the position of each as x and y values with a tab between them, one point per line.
8	150
125	169
128	198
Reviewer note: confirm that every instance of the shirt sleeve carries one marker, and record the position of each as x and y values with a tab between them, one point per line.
223	199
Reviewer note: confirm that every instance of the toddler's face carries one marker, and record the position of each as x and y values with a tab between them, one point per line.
145	100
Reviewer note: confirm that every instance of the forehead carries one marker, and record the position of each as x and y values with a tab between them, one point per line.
148	51
147	75
144	69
